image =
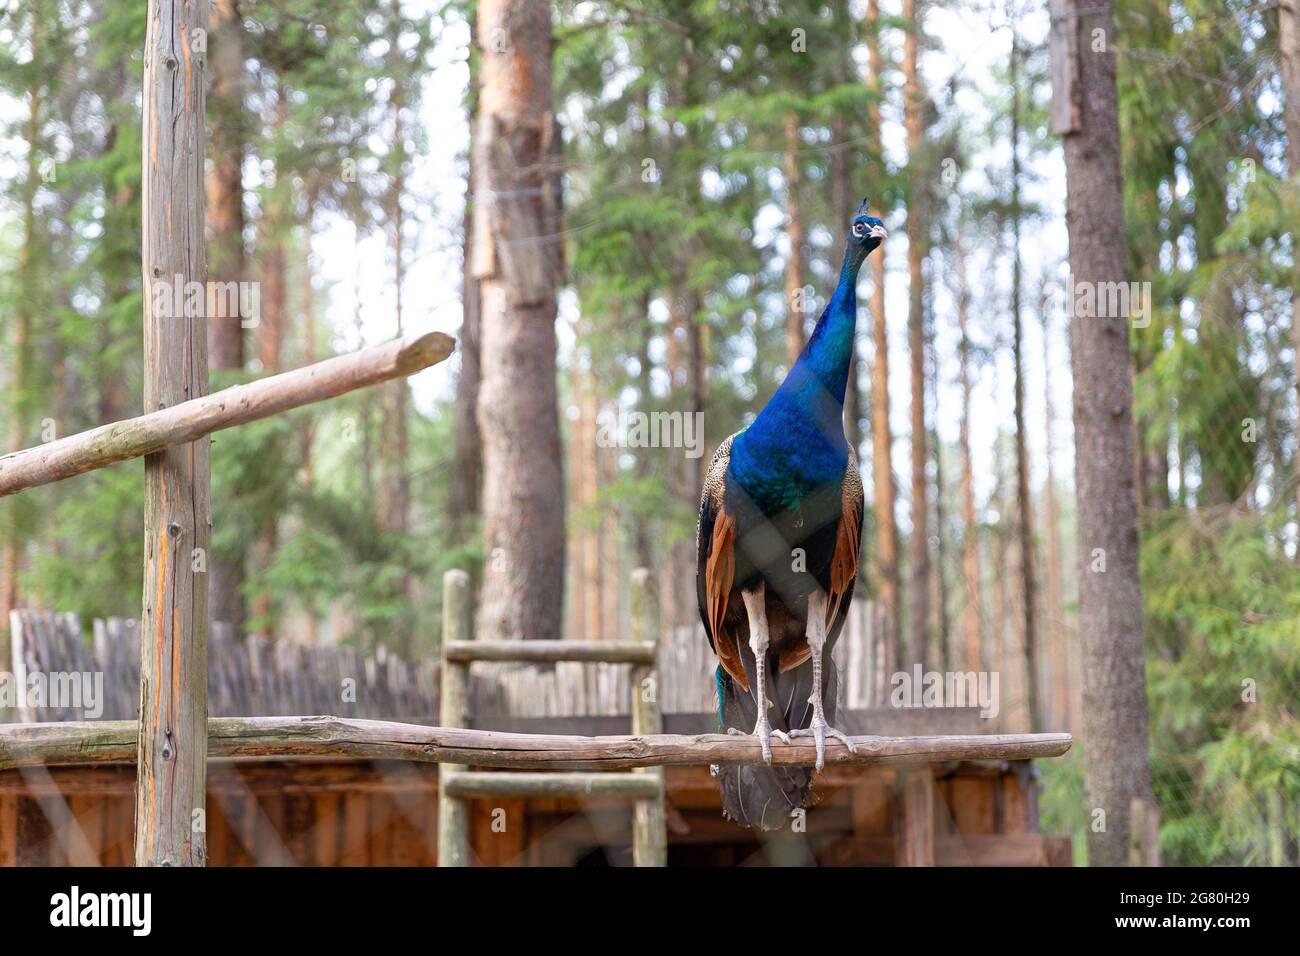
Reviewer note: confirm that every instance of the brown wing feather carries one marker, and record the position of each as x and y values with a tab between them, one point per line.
719	569
848	538
719	575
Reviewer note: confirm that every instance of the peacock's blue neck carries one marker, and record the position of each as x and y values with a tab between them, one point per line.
797	441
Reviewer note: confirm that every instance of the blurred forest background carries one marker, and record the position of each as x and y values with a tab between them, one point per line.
696	178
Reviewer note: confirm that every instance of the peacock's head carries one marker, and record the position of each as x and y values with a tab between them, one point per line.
867	231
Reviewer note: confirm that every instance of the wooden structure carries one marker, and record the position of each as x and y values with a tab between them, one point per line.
362	812
342	791
645	786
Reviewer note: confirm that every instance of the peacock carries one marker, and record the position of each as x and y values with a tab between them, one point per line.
777	557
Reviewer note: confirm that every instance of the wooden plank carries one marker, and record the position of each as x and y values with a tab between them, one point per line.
356	829
914	820
874	850
870	809
1028	849
973	805
8	829
490	784
1015	806
549	652
88	813
326	845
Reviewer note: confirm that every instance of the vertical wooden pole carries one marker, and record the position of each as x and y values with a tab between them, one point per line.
649	829
8	829
453	818
914	825
172	750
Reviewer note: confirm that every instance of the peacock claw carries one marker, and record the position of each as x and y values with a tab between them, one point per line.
763	731
767	752
819	731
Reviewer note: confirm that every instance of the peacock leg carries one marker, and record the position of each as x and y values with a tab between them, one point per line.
758	638
819	730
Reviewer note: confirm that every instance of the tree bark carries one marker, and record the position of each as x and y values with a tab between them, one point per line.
1110	601
173	727
519	265
1054	609
11	559
467	470
886	570
1028	637
271	332
939	650
225	215
972	613
918	542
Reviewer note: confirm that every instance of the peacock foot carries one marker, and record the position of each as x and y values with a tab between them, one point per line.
764	732
819	730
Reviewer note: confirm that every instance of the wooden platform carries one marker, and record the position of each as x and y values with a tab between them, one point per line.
380	813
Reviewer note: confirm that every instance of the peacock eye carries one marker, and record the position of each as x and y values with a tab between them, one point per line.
859	229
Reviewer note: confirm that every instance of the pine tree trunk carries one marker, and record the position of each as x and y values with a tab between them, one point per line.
940	651
885	571
467	469
972	614
1110	601
1054	609
1024	510
11	558
270	335
519	264
641	533
225	215
795	307
918	542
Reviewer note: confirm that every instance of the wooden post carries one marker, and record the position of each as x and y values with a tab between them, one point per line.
453	817
173	736
914	825
8	829
649	830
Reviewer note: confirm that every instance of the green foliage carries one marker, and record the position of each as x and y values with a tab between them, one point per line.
1223	602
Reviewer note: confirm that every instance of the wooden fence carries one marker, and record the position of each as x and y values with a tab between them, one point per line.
252	677
261	677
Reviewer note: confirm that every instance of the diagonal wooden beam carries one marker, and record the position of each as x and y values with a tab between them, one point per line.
92	742
188	421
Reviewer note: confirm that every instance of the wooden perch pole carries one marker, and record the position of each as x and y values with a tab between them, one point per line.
92	742
172	736
191	420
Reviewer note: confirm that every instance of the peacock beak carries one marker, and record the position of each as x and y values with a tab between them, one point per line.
877	232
